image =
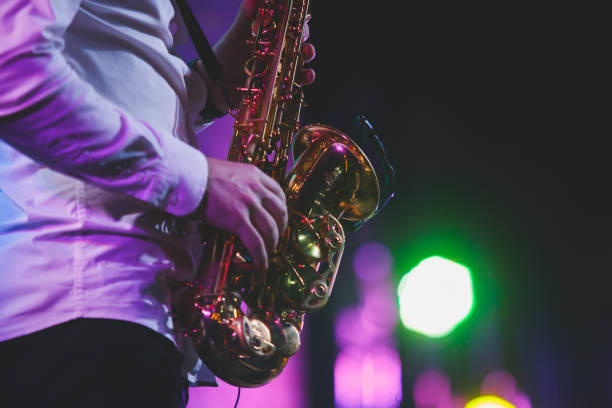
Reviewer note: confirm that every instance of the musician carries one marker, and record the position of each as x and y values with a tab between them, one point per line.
101	186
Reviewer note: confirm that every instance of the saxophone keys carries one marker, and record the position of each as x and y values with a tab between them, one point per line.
263	23
257	337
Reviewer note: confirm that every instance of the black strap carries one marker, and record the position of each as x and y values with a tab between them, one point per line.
203	48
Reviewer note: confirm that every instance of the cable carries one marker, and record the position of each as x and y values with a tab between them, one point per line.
237	398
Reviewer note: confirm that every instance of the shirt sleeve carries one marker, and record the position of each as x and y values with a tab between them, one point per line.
50	114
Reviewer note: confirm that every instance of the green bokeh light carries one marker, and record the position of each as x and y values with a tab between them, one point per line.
435	296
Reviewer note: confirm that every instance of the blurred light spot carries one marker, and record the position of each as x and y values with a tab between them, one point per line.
489	401
503	384
452	401
521	400
431	389
370	323
349	328
369	379
435	296
288	389
458	401
379	310
499	383
372	262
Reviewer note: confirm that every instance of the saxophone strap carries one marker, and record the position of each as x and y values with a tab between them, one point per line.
208	58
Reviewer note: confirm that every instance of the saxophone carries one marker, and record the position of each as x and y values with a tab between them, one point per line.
246	323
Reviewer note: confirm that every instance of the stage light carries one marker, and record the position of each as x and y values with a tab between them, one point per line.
432	388
435	296
500	383
368	378
373	262
489	401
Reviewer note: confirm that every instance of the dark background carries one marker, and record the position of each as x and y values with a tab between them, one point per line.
496	117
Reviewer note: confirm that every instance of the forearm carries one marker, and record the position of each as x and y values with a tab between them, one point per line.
232	52
232	49
76	132
50	114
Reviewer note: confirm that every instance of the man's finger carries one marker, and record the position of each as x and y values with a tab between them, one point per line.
254	243
272	185
278	210
266	225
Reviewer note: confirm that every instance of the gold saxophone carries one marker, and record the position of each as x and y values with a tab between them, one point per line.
246	323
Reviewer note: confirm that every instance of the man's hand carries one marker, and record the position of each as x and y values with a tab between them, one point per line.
240	198
244	201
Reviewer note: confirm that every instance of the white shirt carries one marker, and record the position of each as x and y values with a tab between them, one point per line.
96	162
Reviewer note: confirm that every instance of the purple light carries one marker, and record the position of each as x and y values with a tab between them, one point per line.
288	390
503	384
458	401
372	262
431	388
347	378
349	330
370	323
521	400
380	308
452	401
370	379
499	383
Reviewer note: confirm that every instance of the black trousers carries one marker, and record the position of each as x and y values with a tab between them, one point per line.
92	363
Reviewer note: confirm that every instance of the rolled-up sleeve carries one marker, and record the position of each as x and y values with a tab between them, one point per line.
50	114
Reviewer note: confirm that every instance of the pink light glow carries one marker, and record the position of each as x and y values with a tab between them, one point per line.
503	384
349	329
380	307
499	383
458	401
287	390
432	389
372	322
372	262
521	400
370	379
452	401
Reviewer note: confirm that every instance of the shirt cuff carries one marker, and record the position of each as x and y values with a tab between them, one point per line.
189	168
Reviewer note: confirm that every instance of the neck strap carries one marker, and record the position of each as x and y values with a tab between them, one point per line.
203	48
